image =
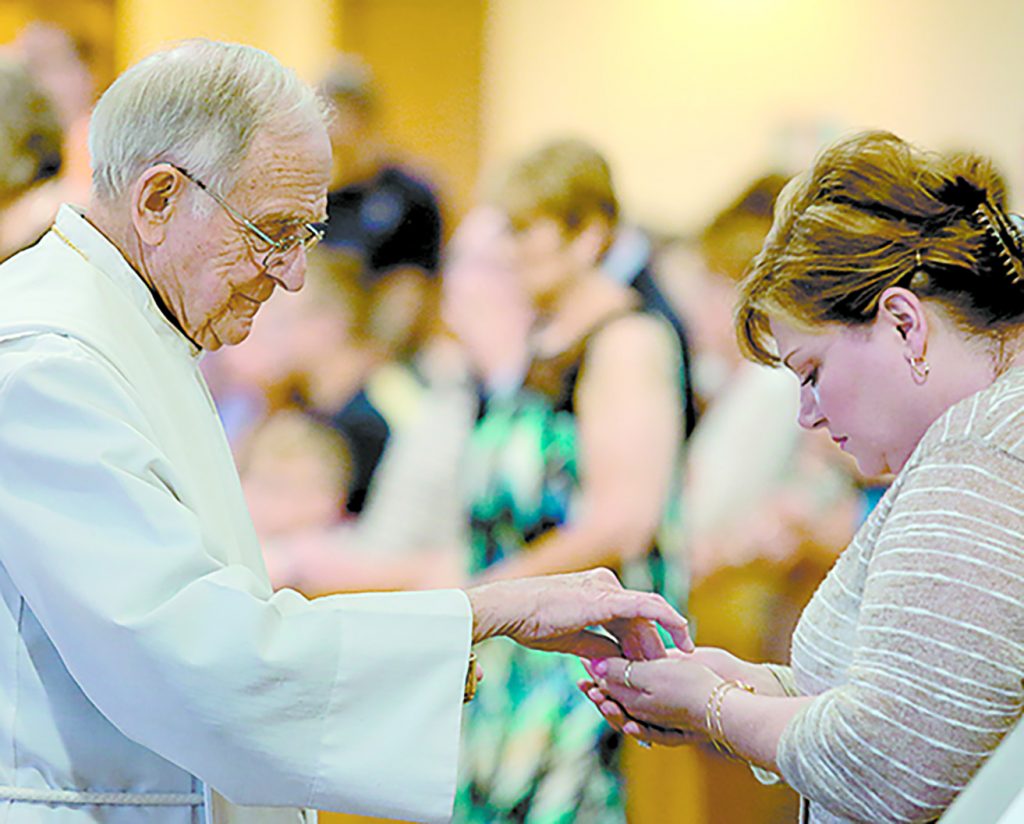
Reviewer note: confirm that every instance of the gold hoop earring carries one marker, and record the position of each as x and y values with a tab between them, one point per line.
920	367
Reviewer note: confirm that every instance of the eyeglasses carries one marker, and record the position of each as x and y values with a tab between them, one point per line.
277	250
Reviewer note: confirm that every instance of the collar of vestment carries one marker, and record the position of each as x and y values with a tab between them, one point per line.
89	242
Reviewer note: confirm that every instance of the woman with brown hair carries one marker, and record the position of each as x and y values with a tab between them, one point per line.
892	285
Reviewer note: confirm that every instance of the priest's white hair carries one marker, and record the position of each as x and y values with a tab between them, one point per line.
197	105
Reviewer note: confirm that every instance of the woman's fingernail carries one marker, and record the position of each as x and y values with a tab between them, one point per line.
599	666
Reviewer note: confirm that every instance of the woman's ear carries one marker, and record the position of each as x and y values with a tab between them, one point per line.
156	195
901	311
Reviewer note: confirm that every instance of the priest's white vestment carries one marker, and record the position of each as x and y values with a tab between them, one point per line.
148	672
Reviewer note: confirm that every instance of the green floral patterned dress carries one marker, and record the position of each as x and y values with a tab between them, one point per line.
534	749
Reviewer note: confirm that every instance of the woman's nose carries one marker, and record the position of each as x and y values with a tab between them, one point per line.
810	416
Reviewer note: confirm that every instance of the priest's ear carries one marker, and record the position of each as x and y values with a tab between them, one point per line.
157	194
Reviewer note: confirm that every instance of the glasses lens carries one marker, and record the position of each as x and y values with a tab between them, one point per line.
282	251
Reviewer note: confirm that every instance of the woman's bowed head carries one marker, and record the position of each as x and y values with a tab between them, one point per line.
892	286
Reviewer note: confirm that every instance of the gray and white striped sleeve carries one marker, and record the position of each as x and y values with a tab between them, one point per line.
936	673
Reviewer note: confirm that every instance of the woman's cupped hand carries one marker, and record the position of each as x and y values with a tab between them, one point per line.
661	701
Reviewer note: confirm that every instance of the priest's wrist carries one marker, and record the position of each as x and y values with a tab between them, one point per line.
481	604
487	606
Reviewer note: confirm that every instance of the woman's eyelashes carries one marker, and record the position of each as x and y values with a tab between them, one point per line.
811	378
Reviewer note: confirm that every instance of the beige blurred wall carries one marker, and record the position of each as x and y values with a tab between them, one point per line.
300	33
691	98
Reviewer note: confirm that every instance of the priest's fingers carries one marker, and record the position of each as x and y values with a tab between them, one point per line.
638	638
652	607
583	643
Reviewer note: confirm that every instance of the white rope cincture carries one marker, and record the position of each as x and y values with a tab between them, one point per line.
40	796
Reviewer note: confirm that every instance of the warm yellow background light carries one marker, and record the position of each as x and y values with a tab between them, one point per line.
689	98
692	98
300	32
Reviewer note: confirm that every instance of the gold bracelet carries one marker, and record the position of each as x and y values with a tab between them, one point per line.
709	713
713	715
713	718
469	690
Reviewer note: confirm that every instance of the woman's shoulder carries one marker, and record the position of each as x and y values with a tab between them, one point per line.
992	418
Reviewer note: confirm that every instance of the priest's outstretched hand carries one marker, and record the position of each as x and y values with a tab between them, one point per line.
566	613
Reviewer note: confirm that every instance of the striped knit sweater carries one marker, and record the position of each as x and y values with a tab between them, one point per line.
915	640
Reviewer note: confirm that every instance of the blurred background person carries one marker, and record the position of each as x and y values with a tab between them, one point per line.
60	63
564	168
572	464
387	218
418	498
295	473
380	209
54	131
749	462
30	158
411	529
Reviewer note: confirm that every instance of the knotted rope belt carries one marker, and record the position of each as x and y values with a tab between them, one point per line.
46	796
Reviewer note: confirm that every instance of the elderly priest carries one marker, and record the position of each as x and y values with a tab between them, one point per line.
149	672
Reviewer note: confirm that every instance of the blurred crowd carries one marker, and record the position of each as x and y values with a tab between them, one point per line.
542	387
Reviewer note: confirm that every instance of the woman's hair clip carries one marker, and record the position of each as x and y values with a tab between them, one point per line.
1007	236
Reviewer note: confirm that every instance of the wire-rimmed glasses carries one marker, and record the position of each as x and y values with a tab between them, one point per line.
277	250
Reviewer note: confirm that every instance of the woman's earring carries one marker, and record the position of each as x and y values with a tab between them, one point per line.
919	366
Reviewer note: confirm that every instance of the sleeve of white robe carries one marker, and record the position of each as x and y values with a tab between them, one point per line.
347	702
